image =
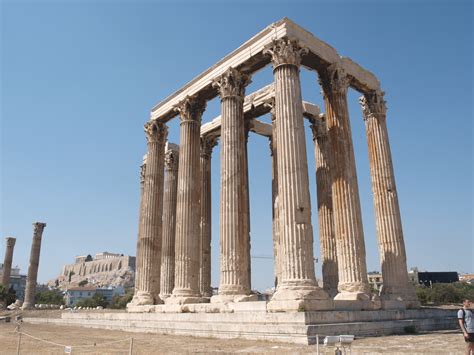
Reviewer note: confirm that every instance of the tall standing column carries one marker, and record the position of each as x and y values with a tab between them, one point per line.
207	143
327	238
353	284
396	290
275	222
169	219
297	288
235	257
188	209
7	263
140	214
32	277
148	263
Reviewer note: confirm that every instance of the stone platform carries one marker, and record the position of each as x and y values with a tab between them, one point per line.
250	320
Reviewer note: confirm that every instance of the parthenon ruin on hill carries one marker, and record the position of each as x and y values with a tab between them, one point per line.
173	250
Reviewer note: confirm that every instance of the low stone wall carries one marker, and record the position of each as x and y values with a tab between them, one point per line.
291	327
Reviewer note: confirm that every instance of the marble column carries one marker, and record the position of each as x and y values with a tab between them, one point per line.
275	222
235	257
30	291
169	219
207	144
396	290
140	212
246	214
7	263
353	284
327	238
297	289
188	209
148	263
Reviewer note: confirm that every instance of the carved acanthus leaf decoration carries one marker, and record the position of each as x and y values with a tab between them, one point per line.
207	144
172	159
285	52
334	80
156	132
191	109
373	105
319	127
38	228
232	83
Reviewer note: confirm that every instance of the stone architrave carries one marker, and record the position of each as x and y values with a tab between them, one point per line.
297	288
148	262
207	144
32	277
7	263
353	283
169	219
235	251
188	209
397	290
327	239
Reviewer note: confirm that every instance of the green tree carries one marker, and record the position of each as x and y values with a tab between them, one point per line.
94	301
83	283
442	293
49	297
7	296
120	302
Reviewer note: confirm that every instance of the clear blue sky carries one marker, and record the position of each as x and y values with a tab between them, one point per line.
79	78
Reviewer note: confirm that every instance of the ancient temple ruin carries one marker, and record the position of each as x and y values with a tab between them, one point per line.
175	207
173	267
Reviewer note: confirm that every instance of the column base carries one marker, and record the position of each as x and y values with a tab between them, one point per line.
185	300
358	305
27	305
233	298
185	296
402	299
142	298
300	299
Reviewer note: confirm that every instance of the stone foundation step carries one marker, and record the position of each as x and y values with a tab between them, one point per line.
289	327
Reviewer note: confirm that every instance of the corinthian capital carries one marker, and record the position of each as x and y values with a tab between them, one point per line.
156	132
334	80
207	143
191	109
373	105
319	127
172	157
232	83
10	242
38	228
285	52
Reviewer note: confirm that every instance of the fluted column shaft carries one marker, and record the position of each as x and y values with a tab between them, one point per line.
7	263
235	258
275	210
275	222
188	209
140	215
148	263
298	282
353	282
206	212
32	277
169	220
246	213
396	284
327	237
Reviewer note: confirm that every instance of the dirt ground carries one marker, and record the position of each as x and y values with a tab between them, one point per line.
52	339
